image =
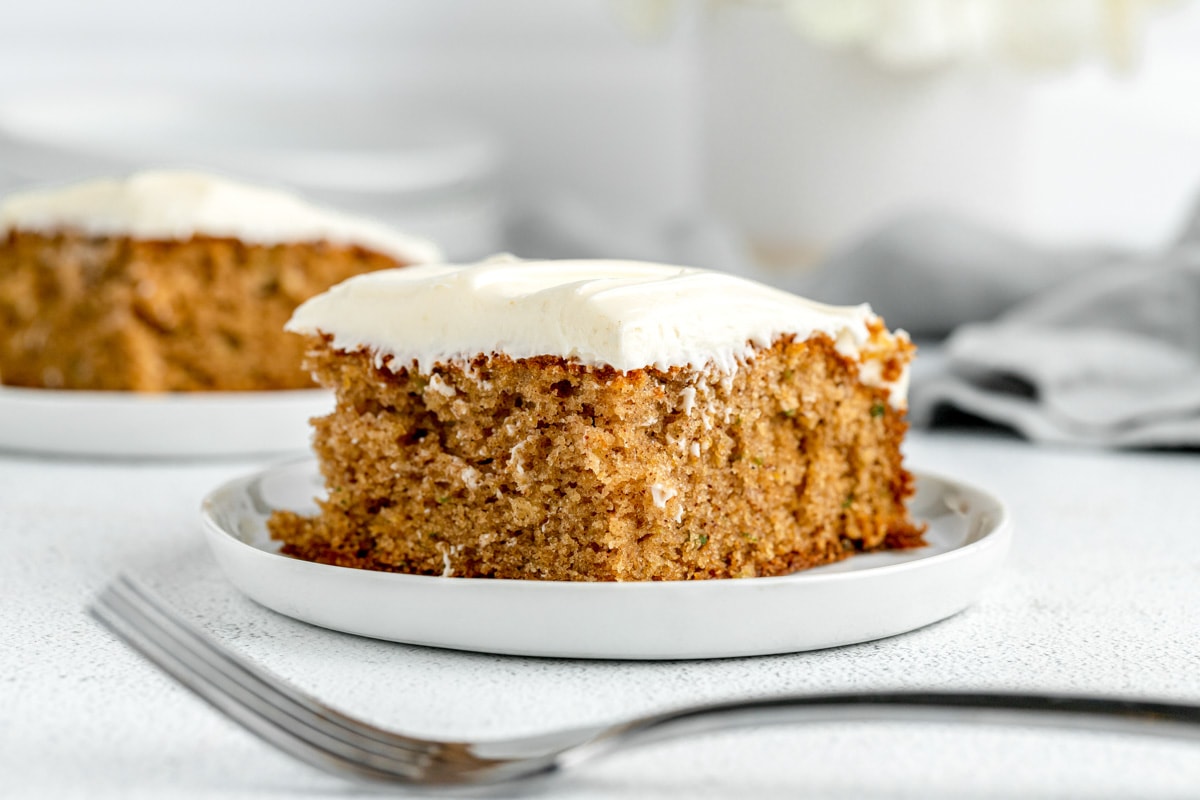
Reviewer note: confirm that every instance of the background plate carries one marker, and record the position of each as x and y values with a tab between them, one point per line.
187	425
862	598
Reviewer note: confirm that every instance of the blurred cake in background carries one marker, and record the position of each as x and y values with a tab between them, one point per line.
172	281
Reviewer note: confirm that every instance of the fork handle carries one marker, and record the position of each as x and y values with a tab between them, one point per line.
1045	710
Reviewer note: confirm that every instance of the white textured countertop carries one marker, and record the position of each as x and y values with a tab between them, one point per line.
1102	593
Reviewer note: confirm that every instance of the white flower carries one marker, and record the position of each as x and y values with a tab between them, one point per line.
645	19
920	34
928	33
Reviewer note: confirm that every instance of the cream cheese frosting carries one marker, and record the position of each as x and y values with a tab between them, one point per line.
623	314
176	205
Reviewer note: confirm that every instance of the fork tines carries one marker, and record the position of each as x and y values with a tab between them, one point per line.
262	703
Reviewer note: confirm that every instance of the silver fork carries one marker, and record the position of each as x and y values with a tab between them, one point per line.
318	735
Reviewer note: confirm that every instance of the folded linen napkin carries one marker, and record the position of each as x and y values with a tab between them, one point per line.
1087	347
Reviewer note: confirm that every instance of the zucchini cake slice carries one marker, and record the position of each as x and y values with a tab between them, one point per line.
171	281
599	421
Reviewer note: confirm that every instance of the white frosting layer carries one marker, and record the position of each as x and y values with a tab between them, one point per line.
177	205
623	314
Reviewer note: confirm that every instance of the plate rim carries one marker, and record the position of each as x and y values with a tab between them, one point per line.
33	394
157	426
999	534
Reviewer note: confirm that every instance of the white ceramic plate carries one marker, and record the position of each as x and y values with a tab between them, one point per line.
128	424
862	598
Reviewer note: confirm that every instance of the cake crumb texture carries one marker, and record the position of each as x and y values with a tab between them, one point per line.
206	313
542	468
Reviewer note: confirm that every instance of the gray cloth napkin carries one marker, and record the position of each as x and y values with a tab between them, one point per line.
1086	347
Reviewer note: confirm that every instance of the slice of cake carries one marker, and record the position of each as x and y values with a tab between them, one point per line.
594	420
171	281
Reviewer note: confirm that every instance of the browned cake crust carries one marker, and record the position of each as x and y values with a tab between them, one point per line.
545	469
85	312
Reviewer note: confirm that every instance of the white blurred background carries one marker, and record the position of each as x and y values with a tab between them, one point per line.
581	127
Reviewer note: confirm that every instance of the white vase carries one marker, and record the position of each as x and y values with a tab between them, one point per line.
807	147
